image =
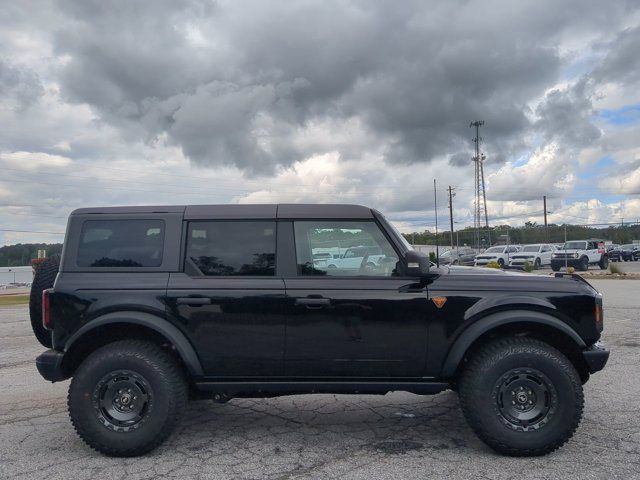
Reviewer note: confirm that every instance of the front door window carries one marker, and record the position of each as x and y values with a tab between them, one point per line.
343	248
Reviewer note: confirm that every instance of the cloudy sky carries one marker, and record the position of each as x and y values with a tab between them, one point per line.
198	101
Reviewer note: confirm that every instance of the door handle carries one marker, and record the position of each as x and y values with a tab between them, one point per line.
313	303
412	288
193	301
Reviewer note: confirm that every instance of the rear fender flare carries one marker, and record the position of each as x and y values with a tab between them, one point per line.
490	322
163	327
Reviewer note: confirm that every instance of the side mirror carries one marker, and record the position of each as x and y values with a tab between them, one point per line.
416	264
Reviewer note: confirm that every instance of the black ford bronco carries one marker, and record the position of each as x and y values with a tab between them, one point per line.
152	306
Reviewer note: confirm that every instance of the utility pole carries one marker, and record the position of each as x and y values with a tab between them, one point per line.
480	202
435	209
546	230
451	195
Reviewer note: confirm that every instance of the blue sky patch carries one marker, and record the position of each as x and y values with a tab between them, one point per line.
627	115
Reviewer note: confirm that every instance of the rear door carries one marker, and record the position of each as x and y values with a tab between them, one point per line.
365	322
229	298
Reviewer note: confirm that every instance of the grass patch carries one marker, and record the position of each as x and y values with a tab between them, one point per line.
10	300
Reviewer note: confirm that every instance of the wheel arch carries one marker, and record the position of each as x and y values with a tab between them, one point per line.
127	325
537	324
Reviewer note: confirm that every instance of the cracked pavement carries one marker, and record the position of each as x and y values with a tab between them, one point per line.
399	435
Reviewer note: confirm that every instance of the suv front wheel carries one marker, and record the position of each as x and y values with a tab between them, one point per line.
521	396
604	262
126	398
584	264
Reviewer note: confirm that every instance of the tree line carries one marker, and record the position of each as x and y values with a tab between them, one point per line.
531	232
22	253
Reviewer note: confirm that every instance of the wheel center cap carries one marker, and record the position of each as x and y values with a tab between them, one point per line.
522	397
125	399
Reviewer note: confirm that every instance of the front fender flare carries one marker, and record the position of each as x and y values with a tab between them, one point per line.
160	325
483	325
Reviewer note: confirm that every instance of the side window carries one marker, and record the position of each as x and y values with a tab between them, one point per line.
121	243
222	248
343	248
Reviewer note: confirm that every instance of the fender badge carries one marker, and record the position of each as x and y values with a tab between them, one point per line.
439	301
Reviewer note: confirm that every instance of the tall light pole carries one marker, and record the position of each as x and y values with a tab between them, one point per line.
451	195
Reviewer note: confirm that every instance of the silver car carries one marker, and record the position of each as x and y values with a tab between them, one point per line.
459	256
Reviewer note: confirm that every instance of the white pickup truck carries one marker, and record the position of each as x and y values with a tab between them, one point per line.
580	254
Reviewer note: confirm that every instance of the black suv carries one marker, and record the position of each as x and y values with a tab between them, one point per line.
630	252
155	305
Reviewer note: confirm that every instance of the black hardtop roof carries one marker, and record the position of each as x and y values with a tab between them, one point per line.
240	211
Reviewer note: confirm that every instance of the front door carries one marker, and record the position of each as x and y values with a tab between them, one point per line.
346	321
229	299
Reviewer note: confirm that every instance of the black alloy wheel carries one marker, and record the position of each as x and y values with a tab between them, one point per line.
121	400
525	398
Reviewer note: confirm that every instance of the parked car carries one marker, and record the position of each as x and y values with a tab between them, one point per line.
630	252
155	305
458	256
614	252
499	253
355	259
537	255
580	254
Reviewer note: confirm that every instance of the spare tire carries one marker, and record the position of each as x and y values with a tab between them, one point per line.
43	278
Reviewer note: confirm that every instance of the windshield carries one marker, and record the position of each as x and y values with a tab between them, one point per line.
446	254
404	241
531	248
575	246
494	250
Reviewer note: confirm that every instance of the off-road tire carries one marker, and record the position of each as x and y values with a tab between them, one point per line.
604	262
167	393
555	268
583	266
43	278
479	401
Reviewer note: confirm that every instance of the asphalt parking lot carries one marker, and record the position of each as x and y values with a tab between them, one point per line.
397	436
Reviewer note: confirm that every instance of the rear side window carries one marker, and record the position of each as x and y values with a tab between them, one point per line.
121	243
221	248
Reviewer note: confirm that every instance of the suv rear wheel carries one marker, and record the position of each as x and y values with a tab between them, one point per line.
126	398
521	396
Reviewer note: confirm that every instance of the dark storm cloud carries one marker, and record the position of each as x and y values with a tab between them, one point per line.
622	61
565	116
234	83
19	85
